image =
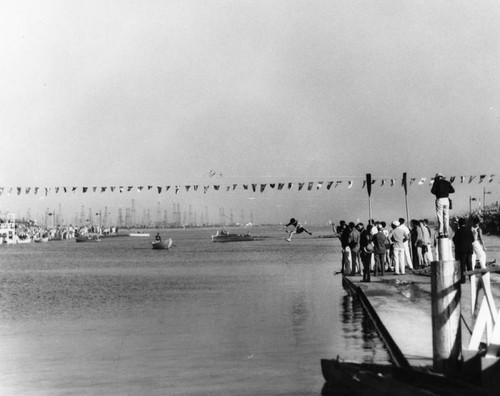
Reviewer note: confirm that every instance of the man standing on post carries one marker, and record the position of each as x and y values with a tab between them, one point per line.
442	188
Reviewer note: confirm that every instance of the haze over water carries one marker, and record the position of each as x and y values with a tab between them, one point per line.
201	319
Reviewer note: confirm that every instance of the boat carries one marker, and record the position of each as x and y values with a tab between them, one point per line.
353	378
88	238
227	237
41	238
165	245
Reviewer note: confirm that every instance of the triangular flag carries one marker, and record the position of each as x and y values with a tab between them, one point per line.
319	185
94	189
28	190
382	183
339	182
491	178
262	187
245	186
481	178
349	183
84	189
280	186
228	187
205	188
216	187
139	189
187	188
254	187
462	179
290	186
36	190
177	189
310	186
159	189
112	188
150	187
272	185
129	188
103	189
329	185
167	188
452	179
19	190
195	187
57	190
300	186
422	181
121	189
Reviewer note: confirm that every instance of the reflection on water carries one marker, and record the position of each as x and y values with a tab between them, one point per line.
119	318
358	329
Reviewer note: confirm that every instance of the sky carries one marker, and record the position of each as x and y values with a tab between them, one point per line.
120	92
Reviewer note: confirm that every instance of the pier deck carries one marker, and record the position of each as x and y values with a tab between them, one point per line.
403	305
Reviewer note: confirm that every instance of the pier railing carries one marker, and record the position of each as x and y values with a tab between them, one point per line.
487	317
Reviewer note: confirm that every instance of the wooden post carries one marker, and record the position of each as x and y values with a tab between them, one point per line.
446	294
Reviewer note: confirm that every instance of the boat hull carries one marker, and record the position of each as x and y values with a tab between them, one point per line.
162	245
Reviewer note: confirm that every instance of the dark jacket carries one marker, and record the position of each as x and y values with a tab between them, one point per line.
463	240
380	241
442	188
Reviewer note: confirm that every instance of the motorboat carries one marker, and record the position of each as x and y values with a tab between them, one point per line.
224	236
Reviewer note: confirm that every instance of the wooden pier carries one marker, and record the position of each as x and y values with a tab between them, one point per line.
402	307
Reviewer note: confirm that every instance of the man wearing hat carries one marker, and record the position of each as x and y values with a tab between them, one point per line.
442	188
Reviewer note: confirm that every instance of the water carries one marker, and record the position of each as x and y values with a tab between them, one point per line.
119	318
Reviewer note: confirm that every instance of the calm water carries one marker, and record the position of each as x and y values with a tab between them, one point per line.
118	318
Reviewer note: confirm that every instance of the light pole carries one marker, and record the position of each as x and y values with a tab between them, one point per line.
484	196
470	204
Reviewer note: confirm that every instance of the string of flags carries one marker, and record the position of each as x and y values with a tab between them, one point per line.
367	183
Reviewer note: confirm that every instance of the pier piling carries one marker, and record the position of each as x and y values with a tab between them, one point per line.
446	294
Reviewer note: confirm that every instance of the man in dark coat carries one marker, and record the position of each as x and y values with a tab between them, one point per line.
463	240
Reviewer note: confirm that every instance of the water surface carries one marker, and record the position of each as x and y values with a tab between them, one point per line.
119	318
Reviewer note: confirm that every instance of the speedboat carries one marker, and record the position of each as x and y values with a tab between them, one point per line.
224	236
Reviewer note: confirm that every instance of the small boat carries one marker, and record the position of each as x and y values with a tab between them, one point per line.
88	238
224	236
165	245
